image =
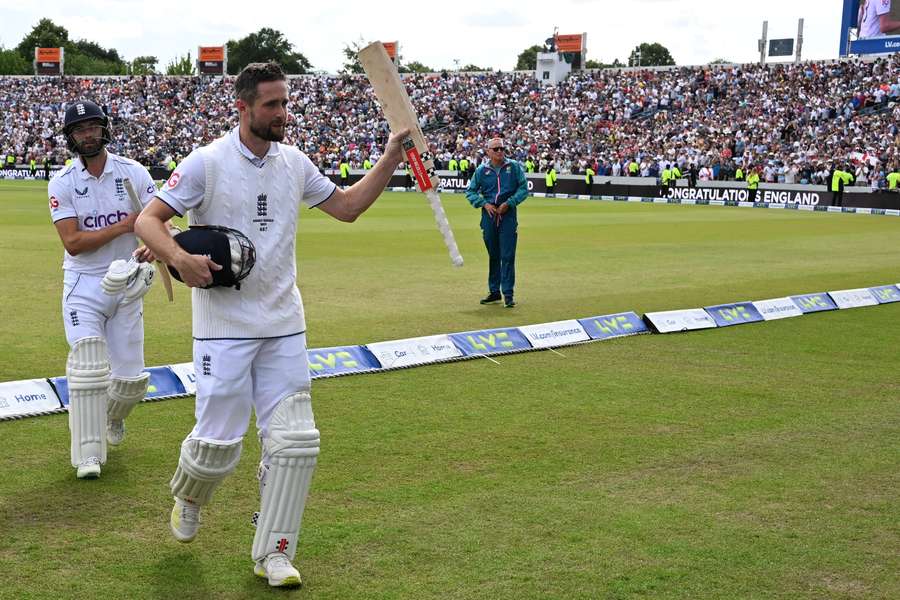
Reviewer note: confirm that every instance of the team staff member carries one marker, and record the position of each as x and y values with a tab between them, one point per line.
497	188
92	216
250	344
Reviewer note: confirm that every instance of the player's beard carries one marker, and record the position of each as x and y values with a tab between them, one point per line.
268	133
91	147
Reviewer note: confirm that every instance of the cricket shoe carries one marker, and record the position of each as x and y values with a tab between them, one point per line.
115	431
277	568
185	520
509	302
491	298
89	468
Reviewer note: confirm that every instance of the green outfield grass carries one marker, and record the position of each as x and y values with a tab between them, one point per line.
758	461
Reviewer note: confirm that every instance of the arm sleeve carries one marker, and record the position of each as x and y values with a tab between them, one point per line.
186	185
60	200
316	188
473	192
147	189
521	187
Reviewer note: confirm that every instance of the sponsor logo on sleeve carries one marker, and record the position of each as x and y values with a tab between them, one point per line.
173	180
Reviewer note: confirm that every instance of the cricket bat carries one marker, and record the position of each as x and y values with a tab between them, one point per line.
138	207
400	115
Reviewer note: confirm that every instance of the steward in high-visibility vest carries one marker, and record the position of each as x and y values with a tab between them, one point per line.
345	173
367	164
32	166
893	180
529	165
665	178
550	179
633	168
739	174
840	179
752	183
10	161
464	165
453	165
588	179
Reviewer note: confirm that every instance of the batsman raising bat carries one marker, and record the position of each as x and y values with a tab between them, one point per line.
243	194
105	277
398	111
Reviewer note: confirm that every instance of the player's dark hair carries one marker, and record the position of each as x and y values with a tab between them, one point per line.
247	82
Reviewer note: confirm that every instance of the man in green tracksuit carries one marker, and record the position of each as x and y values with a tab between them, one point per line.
497	187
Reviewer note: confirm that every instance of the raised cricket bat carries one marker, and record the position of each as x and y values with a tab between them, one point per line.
163	270
398	111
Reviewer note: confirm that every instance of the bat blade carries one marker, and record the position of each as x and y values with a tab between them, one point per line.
400	115
163	270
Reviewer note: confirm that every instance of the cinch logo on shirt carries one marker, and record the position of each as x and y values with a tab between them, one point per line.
101	221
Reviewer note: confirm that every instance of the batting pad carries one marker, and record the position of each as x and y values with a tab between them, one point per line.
87	373
291	447
202	467
125	393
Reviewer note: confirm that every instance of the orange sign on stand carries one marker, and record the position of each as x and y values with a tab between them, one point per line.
570	42
391	48
212	60
49	61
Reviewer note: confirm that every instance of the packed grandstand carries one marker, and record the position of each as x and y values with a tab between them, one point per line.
792	122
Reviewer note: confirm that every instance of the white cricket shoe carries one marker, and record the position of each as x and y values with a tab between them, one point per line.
277	568
185	520
89	468
115	431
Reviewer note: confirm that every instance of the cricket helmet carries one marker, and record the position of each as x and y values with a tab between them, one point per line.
78	112
225	246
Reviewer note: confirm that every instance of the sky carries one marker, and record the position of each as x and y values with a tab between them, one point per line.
487	35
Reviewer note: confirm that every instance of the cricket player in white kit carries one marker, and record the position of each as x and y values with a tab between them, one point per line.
92	214
250	343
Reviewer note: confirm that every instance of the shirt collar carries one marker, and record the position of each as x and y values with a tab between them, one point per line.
83	173
274	149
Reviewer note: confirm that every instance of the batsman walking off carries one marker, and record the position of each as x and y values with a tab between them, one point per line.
497	188
105	277
250	340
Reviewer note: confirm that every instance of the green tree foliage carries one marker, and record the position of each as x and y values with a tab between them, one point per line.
351	64
650	55
527	60
46	34
415	67
12	63
183	65
144	65
265	45
82	57
596	64
81	64
471	67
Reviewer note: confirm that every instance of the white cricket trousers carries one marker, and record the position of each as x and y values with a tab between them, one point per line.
235	376
88	311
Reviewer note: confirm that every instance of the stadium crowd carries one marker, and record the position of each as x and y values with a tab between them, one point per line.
792	123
